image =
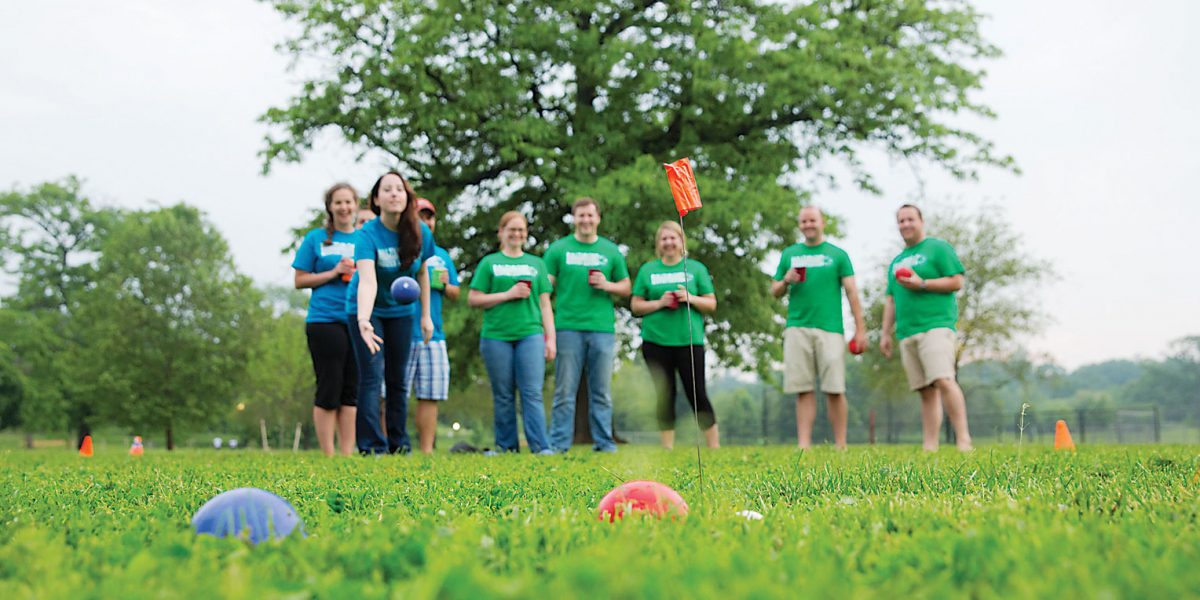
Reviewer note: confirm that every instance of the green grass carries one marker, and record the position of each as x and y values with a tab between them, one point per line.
874	522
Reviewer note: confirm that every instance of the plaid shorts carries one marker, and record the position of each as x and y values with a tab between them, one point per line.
429	370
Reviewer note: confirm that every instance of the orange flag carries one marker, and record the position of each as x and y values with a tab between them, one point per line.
683	185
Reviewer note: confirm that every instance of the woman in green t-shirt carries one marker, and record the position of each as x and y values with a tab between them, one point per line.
518	334
673	336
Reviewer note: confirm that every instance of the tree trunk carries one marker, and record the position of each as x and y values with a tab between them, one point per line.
583	432
583	429
28	441
170	437
84	431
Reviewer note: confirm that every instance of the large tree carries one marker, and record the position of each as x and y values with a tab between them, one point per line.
169	324
999	301
50	239
490	106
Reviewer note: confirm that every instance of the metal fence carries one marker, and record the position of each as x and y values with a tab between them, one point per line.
900	423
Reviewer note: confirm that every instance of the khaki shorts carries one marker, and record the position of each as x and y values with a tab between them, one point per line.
928	356
809	354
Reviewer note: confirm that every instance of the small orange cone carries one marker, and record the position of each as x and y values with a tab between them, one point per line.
86	448
1062	436
136	448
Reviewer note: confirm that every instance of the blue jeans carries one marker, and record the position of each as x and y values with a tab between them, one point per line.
577	349
389	365
518	365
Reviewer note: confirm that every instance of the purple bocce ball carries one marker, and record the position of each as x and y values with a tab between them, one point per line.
257	514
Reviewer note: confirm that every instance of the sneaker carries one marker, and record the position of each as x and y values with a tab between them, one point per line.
547	452
490	452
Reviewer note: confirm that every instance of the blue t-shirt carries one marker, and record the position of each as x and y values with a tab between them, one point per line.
327	304
440	260
382	245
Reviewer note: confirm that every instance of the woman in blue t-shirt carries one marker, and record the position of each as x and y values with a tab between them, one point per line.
394	245
325	262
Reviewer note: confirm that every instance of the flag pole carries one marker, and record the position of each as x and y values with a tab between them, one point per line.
687	198
687	296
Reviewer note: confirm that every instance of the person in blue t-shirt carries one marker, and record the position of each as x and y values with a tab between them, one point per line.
325	262
428	370
394	245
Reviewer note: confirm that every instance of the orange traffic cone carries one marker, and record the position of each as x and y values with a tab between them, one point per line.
1062	436
136	448
86	448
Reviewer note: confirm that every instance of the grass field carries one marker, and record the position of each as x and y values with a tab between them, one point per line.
874	522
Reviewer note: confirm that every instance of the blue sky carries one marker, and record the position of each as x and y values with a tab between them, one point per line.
156	101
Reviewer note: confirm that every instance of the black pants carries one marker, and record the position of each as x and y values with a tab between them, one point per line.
333	363
664	363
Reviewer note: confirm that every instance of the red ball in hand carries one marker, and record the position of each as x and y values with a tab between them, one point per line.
642	496
855	349
904	272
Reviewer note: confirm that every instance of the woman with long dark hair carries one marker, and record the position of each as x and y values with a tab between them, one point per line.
394	245
324	263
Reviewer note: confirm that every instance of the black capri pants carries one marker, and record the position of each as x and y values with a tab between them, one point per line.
664	362
333	363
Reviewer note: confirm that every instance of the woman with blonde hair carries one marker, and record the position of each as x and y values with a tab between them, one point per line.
673	335
517	338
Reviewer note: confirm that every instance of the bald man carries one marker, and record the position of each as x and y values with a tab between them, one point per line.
813	274
921	310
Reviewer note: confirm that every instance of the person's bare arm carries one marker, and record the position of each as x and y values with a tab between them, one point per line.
426	313
706	303
889	326
548	325
367	286
640	306
479	299
304	279
942	285
621	288
779	288
856	309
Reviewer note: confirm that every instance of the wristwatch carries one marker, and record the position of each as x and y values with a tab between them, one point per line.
923	283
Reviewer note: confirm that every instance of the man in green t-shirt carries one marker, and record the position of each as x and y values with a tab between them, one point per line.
587	272
813	273
920	308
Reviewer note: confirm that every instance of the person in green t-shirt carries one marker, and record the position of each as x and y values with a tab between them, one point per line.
518	334
813	273
672	335
920	308
587	271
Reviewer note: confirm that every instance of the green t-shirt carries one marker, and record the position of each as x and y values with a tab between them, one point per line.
669	327
514	319
577	305
817	301
922	310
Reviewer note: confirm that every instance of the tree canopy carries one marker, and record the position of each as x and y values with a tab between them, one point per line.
526	105
169	324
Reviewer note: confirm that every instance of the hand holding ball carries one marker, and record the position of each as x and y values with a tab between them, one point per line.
904	273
